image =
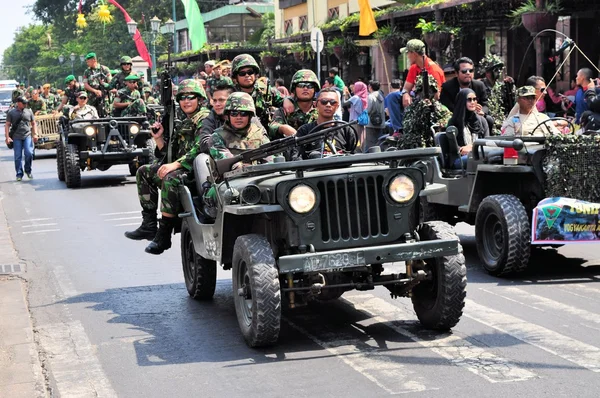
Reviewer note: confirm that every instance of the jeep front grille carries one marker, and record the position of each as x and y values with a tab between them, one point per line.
352	208
124	131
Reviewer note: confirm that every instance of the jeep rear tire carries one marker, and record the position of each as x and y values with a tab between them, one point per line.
199	273
503	233
439	301
60	160
256	290
72	168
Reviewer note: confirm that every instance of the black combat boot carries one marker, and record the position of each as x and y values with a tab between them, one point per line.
162	240
148	228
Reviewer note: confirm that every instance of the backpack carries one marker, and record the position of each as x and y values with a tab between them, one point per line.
376	112
363	118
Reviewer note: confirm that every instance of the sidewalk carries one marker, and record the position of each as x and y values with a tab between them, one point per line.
20	370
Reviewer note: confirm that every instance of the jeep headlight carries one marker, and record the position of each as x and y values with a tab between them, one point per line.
302	199
90	131
134	129
401	189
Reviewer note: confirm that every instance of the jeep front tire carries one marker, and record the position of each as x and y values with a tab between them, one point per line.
72	167
200	274
60	160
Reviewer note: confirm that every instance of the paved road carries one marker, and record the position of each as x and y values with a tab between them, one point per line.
112	320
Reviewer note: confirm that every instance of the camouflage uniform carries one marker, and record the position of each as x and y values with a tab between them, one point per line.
150	100
265	97
51	101
97	78
297	118
213	82
136	107
37	106
185	148
118	79
16	94
228	142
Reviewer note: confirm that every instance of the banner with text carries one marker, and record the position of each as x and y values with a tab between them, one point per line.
563	220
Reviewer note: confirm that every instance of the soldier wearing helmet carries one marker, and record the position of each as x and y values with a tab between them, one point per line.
165	178
148	98
128	101
118	81
303	88
501	92
245	73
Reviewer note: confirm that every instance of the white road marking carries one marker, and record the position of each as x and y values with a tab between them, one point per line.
510	299
39	225
452	347
581	289
127	225
72	358
119	213
392	376
40	231
35	219
64	282
124	218
582	354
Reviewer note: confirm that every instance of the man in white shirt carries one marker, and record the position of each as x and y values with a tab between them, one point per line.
523	123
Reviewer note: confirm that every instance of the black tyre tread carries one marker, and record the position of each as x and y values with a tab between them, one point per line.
451	294
60	160
72	168
266	317
205	283
519	232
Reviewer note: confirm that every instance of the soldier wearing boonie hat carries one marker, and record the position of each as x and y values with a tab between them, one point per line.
415	52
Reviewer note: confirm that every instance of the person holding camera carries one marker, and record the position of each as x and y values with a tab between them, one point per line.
21	134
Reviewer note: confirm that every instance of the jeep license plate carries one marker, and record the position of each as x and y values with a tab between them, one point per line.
334	261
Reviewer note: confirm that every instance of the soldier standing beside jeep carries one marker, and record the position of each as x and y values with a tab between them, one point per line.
166	174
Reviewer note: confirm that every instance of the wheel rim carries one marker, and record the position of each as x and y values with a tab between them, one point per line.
245	295
190	259
493	238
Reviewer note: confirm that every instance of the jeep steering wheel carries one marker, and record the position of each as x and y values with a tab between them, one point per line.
571	125
327	142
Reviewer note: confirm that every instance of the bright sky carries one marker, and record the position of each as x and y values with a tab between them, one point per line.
14	14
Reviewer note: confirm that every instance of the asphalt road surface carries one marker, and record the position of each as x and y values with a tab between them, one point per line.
111	320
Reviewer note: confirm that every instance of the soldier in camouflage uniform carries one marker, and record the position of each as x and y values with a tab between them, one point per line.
304	86
213	81
50	99
501	91
148	98
245	73
118	80
128	101
36	104
18	92
174	159
72	90
96	80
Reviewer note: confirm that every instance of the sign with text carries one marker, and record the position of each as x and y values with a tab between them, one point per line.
563	220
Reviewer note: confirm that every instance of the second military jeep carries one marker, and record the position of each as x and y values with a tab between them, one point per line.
298	231
98	144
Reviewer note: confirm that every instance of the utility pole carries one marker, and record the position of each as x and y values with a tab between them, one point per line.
539	43
175	41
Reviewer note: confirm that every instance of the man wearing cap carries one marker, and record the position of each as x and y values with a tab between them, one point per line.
128	101
118	80
415	52
226	68
50	99
82	110
70	94
18	92
213	81
95	81
148	98
523	123
208	70
21	133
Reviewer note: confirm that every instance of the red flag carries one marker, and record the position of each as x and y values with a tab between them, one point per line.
137	38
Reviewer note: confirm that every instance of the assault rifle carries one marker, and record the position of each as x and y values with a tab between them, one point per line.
279	146
168	119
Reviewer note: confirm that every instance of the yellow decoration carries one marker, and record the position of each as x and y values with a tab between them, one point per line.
81	23
104	14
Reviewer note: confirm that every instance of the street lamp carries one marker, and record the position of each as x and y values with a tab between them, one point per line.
61	58
154	30
82	58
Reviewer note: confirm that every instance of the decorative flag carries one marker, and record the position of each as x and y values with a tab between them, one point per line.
366	23
137	38
195	24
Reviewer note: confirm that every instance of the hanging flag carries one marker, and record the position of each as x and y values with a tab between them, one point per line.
366	23
137	38
195	24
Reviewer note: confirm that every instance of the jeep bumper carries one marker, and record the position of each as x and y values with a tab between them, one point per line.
114	156
337	260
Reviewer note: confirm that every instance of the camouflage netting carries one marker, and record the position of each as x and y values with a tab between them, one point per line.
571	167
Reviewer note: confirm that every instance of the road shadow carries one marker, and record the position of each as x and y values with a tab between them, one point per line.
181	330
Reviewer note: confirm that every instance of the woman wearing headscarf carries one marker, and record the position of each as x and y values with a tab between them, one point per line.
468	123
355	105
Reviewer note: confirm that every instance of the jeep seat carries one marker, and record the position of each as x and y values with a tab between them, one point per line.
201	172
450	150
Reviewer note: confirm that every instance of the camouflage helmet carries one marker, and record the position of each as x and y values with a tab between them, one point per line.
190	86
224	83
243	61
306	76
126	60
489	63
240	101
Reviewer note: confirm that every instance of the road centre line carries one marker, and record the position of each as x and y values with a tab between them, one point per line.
119	213
391	376
124	218
39	225
452	347
582	354
40	231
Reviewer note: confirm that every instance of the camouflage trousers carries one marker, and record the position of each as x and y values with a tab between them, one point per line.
148	185
136	108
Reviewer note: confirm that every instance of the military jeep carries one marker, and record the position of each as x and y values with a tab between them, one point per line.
98	144
300	231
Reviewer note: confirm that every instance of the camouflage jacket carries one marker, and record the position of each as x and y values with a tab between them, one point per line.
16	94
51	101
151	101
213	82
118	80
37	106
228	142
295	119
97	78
71	94
124	96
186	144
265	97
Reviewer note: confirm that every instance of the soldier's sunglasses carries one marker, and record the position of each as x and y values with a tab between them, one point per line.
187	97
82	98
330	102
305	85
246	72
239	113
